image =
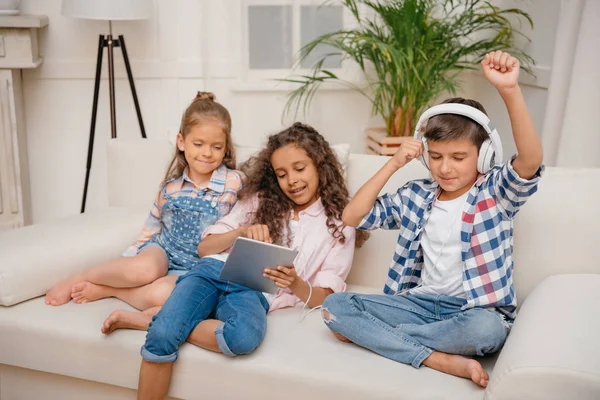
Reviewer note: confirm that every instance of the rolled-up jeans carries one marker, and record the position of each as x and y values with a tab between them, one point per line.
198	295
408	328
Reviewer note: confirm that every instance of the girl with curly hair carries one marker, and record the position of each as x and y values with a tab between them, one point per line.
294	196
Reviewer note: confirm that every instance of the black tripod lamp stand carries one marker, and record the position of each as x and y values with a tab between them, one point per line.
108	10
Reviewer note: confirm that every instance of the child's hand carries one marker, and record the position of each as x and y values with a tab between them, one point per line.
501	70
409	149
257	232
284	277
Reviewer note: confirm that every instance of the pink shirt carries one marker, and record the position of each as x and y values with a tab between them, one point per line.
322	260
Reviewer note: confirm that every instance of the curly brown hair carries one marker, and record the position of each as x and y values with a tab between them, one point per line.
274	206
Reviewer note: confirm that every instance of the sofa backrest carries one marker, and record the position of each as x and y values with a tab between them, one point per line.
555	231
558	229
372	260
136	167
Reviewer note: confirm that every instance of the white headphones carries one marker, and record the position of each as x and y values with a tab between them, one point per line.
490	153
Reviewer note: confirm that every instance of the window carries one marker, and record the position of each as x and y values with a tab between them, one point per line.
276	30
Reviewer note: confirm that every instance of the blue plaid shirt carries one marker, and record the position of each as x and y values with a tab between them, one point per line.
486	234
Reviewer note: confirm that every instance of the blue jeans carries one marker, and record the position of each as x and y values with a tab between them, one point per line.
408	328
198	295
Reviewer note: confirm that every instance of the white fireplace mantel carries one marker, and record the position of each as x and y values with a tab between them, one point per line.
18	50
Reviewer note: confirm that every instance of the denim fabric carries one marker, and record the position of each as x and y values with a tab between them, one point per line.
199	295
184	219
486	234
408	328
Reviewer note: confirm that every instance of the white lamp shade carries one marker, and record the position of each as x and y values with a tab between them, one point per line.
113	10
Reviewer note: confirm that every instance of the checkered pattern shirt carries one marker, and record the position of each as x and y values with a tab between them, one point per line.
486	234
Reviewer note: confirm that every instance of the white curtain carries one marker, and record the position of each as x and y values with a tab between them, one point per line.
571	133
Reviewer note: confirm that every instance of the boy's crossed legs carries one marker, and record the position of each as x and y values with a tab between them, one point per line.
419	329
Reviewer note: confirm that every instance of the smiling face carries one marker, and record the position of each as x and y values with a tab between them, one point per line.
453	165
204	148
297	175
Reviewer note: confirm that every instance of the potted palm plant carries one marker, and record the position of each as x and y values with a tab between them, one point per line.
410	52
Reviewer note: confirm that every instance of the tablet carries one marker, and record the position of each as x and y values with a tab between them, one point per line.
249	258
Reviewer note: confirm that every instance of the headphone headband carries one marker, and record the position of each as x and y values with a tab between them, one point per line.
466	111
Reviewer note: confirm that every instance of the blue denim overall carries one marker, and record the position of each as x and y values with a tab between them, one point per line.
184	218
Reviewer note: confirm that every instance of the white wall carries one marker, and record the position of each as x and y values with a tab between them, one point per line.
579	142
189	45
545	15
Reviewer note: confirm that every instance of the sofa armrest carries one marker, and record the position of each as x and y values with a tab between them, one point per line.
36	257
552	350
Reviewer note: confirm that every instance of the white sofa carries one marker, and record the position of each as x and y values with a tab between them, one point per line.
59	353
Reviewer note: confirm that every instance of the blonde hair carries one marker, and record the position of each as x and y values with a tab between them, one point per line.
204	107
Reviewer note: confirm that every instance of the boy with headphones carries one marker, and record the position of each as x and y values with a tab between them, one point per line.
449	291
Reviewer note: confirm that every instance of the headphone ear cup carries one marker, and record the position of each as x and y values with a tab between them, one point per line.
485	162
425	157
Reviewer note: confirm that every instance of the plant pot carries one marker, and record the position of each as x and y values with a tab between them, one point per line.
379	143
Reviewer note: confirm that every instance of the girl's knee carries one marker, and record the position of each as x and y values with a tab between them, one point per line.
161	292
245	344
161	340
241	337
145	270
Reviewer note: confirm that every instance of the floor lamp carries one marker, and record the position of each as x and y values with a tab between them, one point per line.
108	10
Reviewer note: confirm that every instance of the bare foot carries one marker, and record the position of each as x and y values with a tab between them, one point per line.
456	365
85	292
60	293
341	338
122	319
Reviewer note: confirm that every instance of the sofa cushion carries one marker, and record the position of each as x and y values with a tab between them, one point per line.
36	257
557	230
297	360
552	350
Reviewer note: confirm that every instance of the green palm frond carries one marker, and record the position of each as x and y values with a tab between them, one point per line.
410	52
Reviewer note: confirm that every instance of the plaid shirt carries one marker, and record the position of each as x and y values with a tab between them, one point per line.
223	187
486	234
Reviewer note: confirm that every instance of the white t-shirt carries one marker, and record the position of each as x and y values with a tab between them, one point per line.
443	267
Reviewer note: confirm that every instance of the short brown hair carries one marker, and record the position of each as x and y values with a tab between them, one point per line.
446	127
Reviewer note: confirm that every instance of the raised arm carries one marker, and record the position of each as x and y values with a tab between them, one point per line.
363	200
502	71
